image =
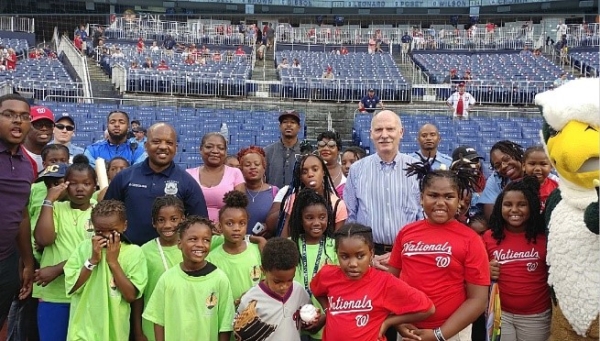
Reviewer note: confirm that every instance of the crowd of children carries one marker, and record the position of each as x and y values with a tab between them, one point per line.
204	281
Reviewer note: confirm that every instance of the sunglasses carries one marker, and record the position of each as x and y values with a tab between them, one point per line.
42	123
330	144
61	126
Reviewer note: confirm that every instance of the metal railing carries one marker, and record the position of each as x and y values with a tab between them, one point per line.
79	63
63	91
17	24
5	88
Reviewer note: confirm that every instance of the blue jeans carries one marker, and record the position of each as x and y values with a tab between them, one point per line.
22	320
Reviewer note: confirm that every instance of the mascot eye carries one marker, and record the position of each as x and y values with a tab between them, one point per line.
590	127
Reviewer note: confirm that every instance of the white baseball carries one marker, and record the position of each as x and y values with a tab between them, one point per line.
308	312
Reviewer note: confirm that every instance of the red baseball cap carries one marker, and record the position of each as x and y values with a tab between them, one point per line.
40	113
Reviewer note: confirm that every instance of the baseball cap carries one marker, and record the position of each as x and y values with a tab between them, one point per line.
371	90
136	121
64	115
40	113
53	171
461	84
453	70
289	113
138	129
466	152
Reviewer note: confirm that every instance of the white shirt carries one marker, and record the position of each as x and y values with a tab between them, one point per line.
468	100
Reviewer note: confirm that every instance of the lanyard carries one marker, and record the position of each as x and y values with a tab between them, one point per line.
162	255
317	262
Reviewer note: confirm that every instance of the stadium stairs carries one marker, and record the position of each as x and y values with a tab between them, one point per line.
101	85
265	70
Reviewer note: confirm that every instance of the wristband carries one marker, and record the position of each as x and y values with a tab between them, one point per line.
437	332
47	203
88	265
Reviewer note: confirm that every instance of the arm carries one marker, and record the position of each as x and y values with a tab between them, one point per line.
91	158
98	243
136	311
286	227
47	274
396	320
127	289
273	217
159	332
45	231
338	224
468	312
26	253
223	336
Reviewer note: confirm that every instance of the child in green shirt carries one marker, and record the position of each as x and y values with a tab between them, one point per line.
60	228
237	257
311	228
103	276
161	254
192	301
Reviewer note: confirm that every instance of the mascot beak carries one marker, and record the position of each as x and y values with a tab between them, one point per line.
574	151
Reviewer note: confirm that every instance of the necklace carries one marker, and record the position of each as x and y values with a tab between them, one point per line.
253	197
337	177
78	216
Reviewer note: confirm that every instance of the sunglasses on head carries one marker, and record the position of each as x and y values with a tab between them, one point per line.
330	144
61	126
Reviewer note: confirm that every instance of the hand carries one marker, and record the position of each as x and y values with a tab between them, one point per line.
54	193
98	243
46	275
381	262
494	269
407	331
26	283
425	334
113	248
317	323
261	241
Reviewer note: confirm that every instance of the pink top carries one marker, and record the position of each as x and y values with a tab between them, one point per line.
214	195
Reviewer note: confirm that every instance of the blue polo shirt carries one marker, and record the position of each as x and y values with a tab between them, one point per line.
440	159
370	103
138	186
108	151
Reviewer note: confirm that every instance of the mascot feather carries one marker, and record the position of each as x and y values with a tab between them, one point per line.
570	134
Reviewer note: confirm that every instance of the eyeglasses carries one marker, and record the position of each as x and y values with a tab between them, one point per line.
42	123
61	126
503	161
330	144
14	116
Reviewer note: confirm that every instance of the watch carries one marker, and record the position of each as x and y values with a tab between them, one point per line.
88	265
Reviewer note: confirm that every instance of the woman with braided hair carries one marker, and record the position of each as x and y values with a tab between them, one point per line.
442	257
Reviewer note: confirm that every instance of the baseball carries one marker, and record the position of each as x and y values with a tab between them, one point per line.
308	312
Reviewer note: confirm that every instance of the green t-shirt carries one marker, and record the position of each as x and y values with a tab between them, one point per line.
192	308
328	256
98	310
34	208
243	270
156	268
216	241
71	228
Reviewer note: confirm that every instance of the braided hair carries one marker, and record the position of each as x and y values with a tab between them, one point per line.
305	198
462	175
512	149
166	201
535	225
354	230
297	185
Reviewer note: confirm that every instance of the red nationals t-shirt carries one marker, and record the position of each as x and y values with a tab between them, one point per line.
439	260
546	188
523	280
358	308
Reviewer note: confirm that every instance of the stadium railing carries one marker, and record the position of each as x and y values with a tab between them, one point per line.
79	63
17	24
5	88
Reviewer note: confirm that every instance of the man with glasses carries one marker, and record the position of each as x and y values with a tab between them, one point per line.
42	123
16	177
281	155
64	129
117	143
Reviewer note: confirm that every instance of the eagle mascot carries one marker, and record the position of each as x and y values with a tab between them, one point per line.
571	115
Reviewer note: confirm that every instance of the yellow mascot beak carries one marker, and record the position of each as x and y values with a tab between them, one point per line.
574	151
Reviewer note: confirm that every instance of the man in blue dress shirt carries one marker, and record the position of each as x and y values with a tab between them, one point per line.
429	139
138	185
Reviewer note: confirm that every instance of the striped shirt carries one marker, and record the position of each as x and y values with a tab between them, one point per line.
380	195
